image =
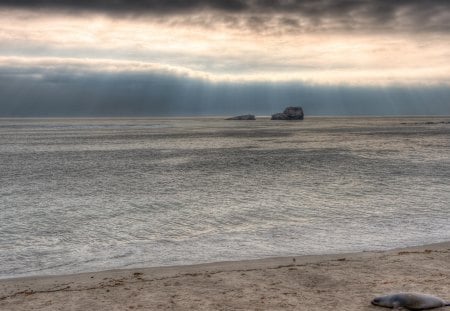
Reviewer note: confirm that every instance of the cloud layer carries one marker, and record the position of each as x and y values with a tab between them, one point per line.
243	47
64	91
220	52
292	15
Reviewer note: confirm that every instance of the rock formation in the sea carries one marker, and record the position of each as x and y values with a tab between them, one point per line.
426	123
280	116
290	113
243	117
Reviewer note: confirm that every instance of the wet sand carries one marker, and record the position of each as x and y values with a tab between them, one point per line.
325	282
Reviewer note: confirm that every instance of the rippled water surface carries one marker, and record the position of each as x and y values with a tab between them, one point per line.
93	194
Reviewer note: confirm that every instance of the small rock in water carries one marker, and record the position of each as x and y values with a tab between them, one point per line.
243	117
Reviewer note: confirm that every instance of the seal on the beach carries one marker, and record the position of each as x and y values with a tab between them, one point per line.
410	301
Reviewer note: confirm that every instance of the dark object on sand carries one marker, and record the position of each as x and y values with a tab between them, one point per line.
409	301
290	113
243	117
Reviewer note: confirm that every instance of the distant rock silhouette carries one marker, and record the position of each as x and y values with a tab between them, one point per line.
290	113
427	123
280	116
243	117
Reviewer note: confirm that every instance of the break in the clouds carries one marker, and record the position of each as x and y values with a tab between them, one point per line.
310	43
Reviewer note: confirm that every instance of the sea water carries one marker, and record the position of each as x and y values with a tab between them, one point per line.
82	195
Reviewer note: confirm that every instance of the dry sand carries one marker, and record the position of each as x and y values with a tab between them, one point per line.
329	282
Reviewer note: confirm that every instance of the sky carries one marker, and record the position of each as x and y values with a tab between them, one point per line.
217	57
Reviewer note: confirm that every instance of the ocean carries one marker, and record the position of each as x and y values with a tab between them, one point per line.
87	194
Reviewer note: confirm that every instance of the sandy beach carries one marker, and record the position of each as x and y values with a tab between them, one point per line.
326	282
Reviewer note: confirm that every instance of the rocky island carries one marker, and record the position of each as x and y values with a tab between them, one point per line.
243	117
290	113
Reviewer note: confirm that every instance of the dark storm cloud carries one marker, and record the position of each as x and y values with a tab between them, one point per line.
379	8
404	15
130	6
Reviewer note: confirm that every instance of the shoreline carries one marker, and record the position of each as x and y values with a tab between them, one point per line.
283	283
232	263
